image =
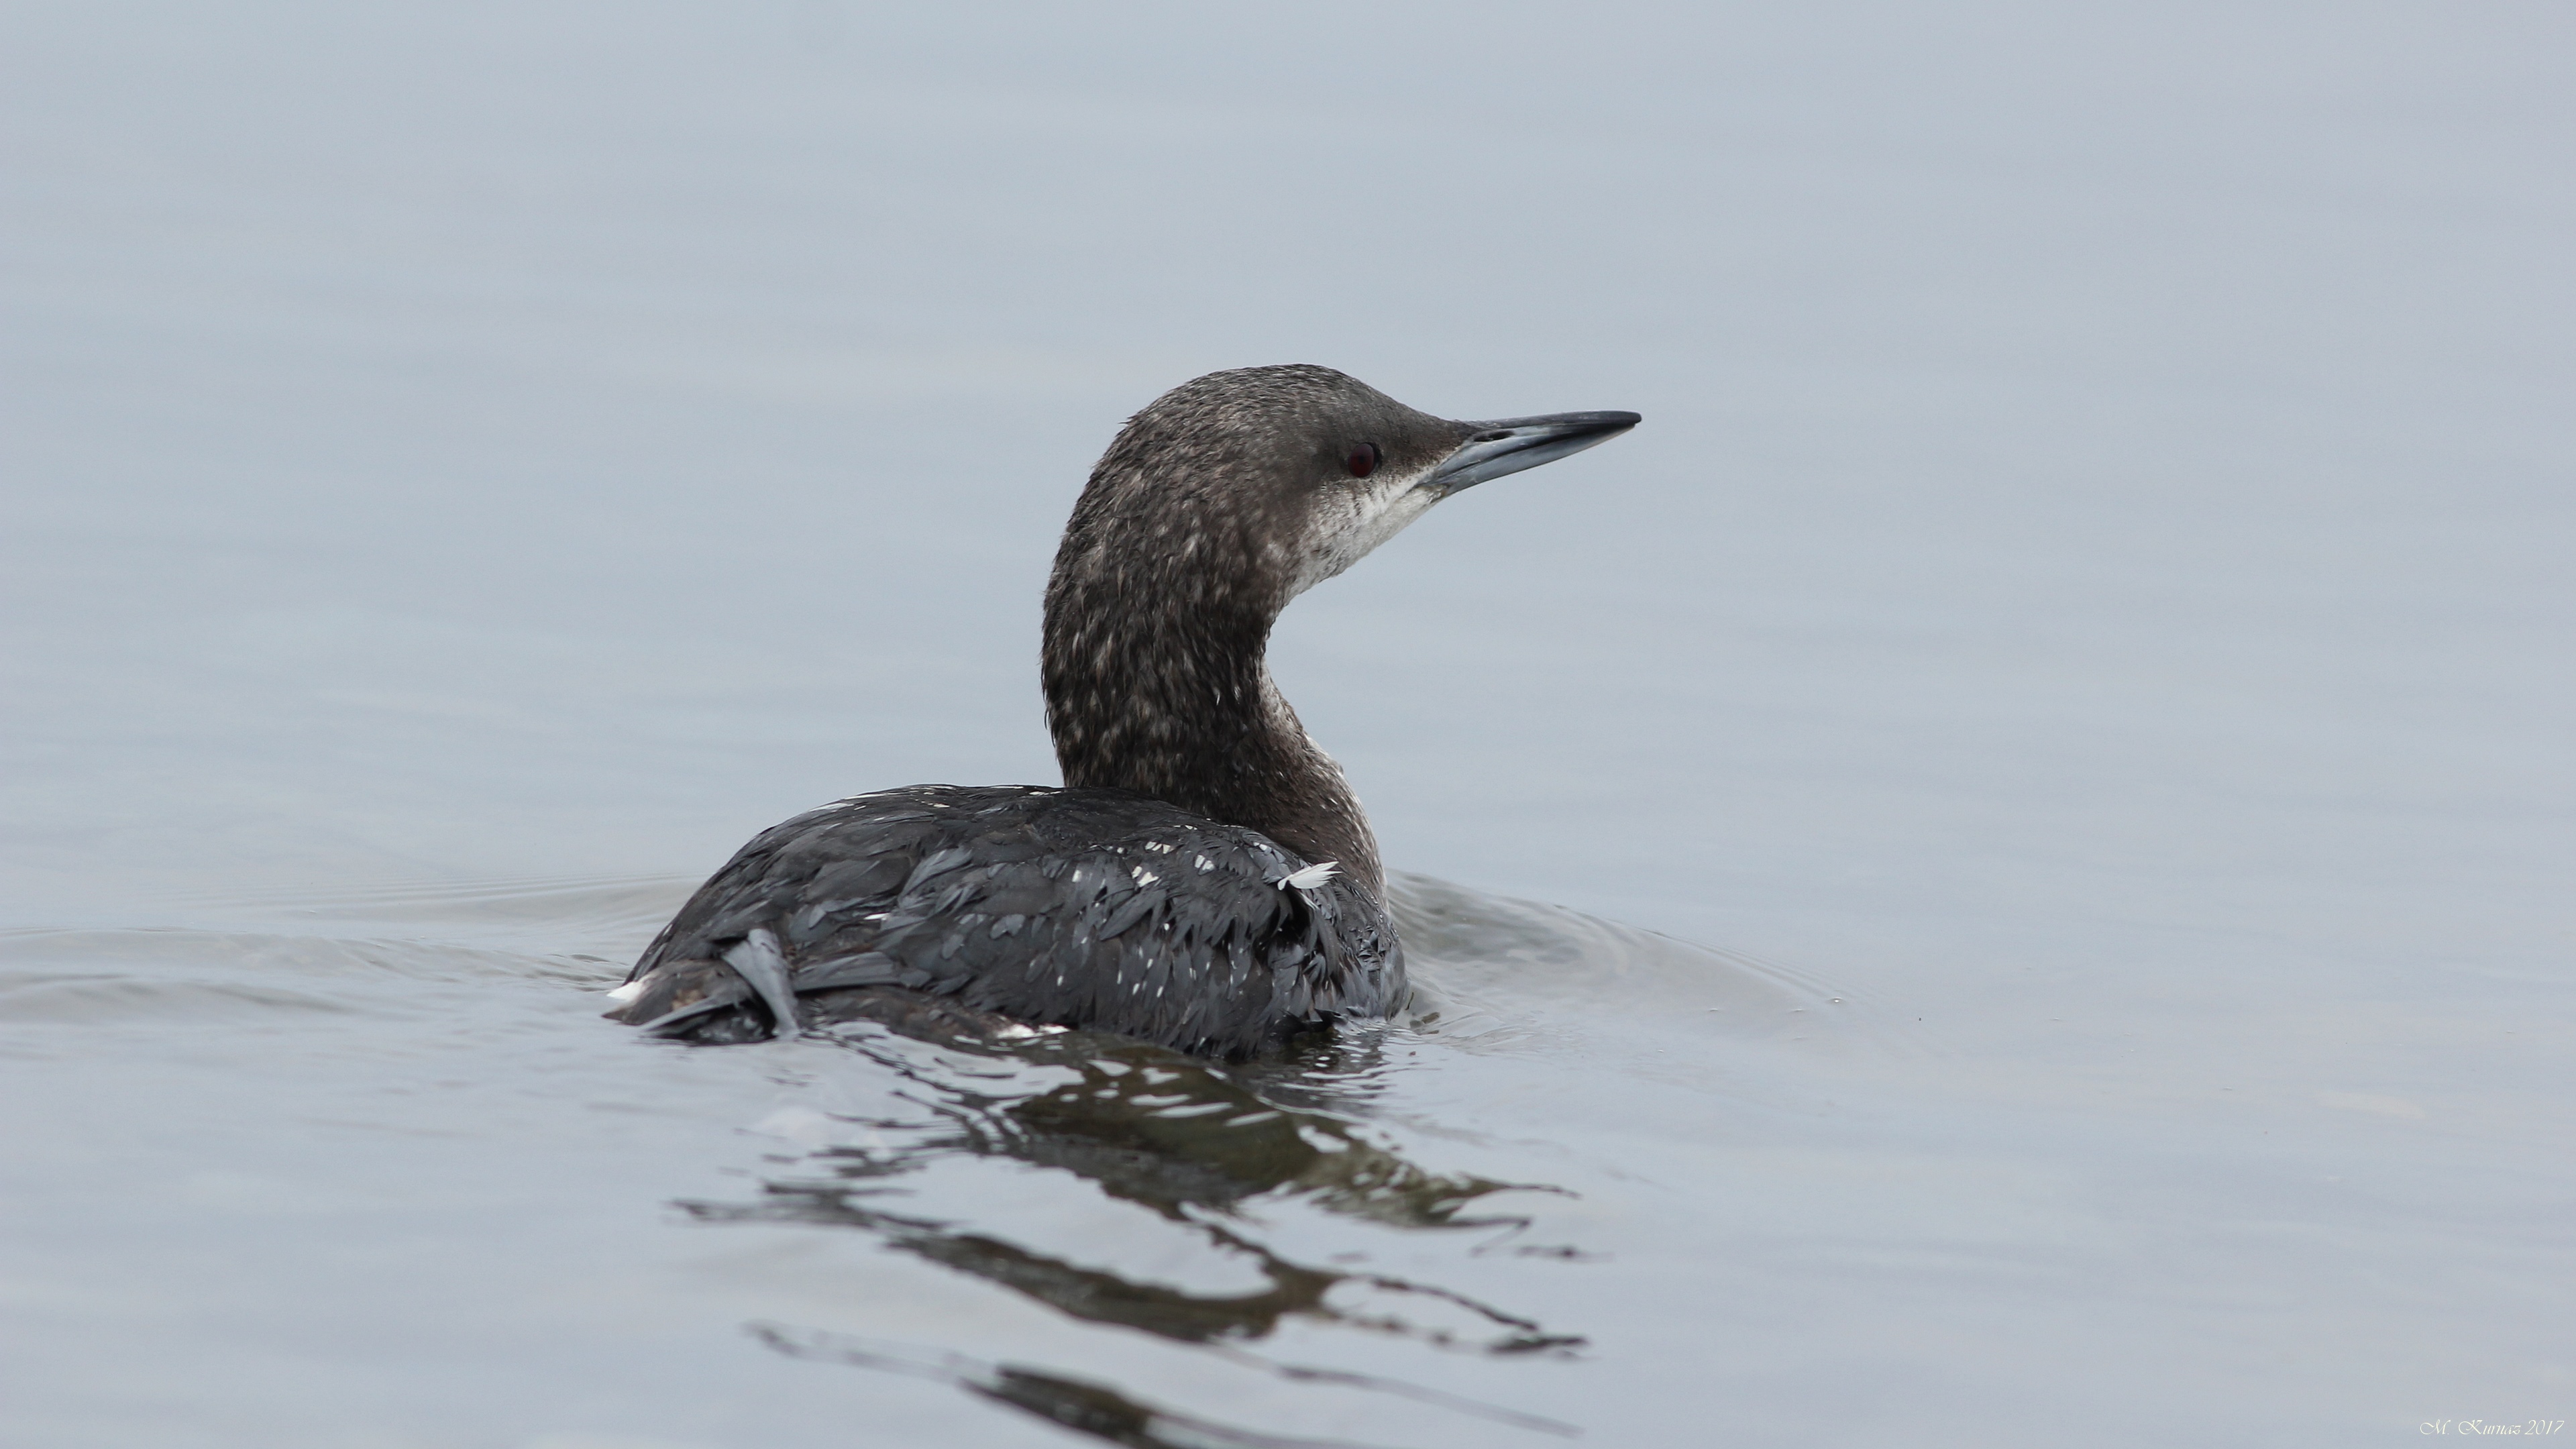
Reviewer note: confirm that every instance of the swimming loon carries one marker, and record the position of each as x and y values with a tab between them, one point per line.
1205	879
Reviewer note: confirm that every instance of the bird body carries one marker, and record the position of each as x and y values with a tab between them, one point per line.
1206	878
1081	906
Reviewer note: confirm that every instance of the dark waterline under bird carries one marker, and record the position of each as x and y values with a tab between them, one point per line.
1205	879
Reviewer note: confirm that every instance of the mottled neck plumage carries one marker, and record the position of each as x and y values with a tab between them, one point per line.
1156	681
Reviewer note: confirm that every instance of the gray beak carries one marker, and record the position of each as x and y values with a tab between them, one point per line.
1511	444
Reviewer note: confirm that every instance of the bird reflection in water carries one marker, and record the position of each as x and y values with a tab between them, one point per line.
1189	1141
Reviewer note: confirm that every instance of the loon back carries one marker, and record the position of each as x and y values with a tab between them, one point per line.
1090	907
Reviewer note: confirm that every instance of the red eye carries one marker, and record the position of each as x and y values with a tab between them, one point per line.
1363	460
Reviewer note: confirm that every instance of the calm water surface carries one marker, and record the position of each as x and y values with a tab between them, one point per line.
2081	638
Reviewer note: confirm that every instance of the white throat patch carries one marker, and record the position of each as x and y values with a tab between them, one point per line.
1355	521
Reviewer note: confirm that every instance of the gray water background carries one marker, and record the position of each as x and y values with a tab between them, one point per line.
2084	631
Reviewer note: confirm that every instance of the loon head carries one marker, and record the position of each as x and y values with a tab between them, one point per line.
1253	485
1224	499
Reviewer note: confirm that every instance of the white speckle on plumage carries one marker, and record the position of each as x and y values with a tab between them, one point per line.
626	993
1312	876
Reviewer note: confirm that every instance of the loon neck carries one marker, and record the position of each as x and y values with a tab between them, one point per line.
1169	695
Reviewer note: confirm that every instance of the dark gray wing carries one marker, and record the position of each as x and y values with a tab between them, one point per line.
1088	908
